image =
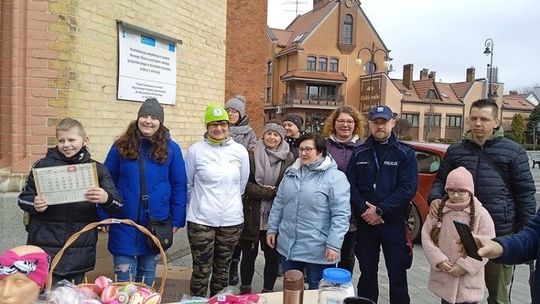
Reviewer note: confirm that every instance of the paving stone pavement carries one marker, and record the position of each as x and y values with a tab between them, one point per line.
417	276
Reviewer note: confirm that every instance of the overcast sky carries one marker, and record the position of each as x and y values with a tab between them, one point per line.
447	36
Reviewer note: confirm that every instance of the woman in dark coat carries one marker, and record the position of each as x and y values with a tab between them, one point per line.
343	130
268	161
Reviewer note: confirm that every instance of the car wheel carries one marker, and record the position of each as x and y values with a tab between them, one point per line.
414	221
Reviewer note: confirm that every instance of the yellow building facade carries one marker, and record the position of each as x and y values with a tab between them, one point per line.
312	68
60	59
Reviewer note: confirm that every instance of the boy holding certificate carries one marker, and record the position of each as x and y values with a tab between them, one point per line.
51	224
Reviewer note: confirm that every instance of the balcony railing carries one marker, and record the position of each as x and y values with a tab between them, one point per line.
330	100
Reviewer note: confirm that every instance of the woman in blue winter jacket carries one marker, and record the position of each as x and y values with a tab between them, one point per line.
311	210
165	179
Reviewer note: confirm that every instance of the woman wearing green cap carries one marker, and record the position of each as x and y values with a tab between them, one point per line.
217	172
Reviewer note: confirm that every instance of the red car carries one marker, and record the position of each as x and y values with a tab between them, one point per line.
428	157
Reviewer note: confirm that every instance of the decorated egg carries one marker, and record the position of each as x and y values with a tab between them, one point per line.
123	296
129	289
90	301
101	282
136	298
145	291
109	294
154	298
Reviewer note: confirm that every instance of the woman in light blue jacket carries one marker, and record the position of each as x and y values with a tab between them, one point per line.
310	213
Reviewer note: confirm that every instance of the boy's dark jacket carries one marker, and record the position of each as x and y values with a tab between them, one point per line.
51	229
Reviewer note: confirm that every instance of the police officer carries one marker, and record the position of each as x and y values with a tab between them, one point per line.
383	175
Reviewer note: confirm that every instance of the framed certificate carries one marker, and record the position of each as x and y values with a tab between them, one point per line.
65	184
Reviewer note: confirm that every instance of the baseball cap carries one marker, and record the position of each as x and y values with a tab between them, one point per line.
383	112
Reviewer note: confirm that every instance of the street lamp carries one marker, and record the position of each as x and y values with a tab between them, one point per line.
489	51
372	67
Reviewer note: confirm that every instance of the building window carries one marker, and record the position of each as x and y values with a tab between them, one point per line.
453	121
434	119
321	92
323	64
347	29
311	63
431	94
413	118
269	68
334	65
268	94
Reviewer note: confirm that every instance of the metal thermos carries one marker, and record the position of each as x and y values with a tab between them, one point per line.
293	287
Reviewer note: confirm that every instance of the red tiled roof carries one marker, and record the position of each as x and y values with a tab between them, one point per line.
305	24
315	75
461	88
517	102
422	87
408	94
283	36
445	92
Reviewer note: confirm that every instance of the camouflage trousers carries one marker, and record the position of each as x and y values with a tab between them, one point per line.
211	251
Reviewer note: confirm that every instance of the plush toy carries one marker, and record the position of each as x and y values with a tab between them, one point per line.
23	273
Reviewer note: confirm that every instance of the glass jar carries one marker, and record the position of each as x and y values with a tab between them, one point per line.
335	286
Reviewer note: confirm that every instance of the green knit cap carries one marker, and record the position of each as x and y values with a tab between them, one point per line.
215	112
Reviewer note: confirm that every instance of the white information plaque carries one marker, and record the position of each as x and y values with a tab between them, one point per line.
65	184
147	66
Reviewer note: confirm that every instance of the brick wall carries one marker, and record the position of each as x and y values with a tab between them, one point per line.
67	54
247	50
24	87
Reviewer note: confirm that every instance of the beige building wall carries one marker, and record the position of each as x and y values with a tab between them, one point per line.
64	62
508	116
322	41
391	95
87	48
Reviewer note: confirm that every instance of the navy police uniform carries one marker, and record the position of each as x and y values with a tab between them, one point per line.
384	174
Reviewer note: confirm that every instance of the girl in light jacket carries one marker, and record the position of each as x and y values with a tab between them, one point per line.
453	278
217	172
310	213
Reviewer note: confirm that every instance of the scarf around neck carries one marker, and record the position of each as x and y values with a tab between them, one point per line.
268	162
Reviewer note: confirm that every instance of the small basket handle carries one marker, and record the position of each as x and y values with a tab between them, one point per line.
110	221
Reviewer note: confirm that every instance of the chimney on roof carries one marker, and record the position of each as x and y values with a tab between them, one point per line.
470	75
513	92
407	75
424	74
317	4
432	75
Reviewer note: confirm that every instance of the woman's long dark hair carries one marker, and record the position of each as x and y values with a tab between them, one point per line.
129	143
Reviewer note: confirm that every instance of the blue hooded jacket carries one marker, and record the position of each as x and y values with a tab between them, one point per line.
166	189
523	247
311	211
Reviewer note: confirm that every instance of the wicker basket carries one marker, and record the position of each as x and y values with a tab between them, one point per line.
110	221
